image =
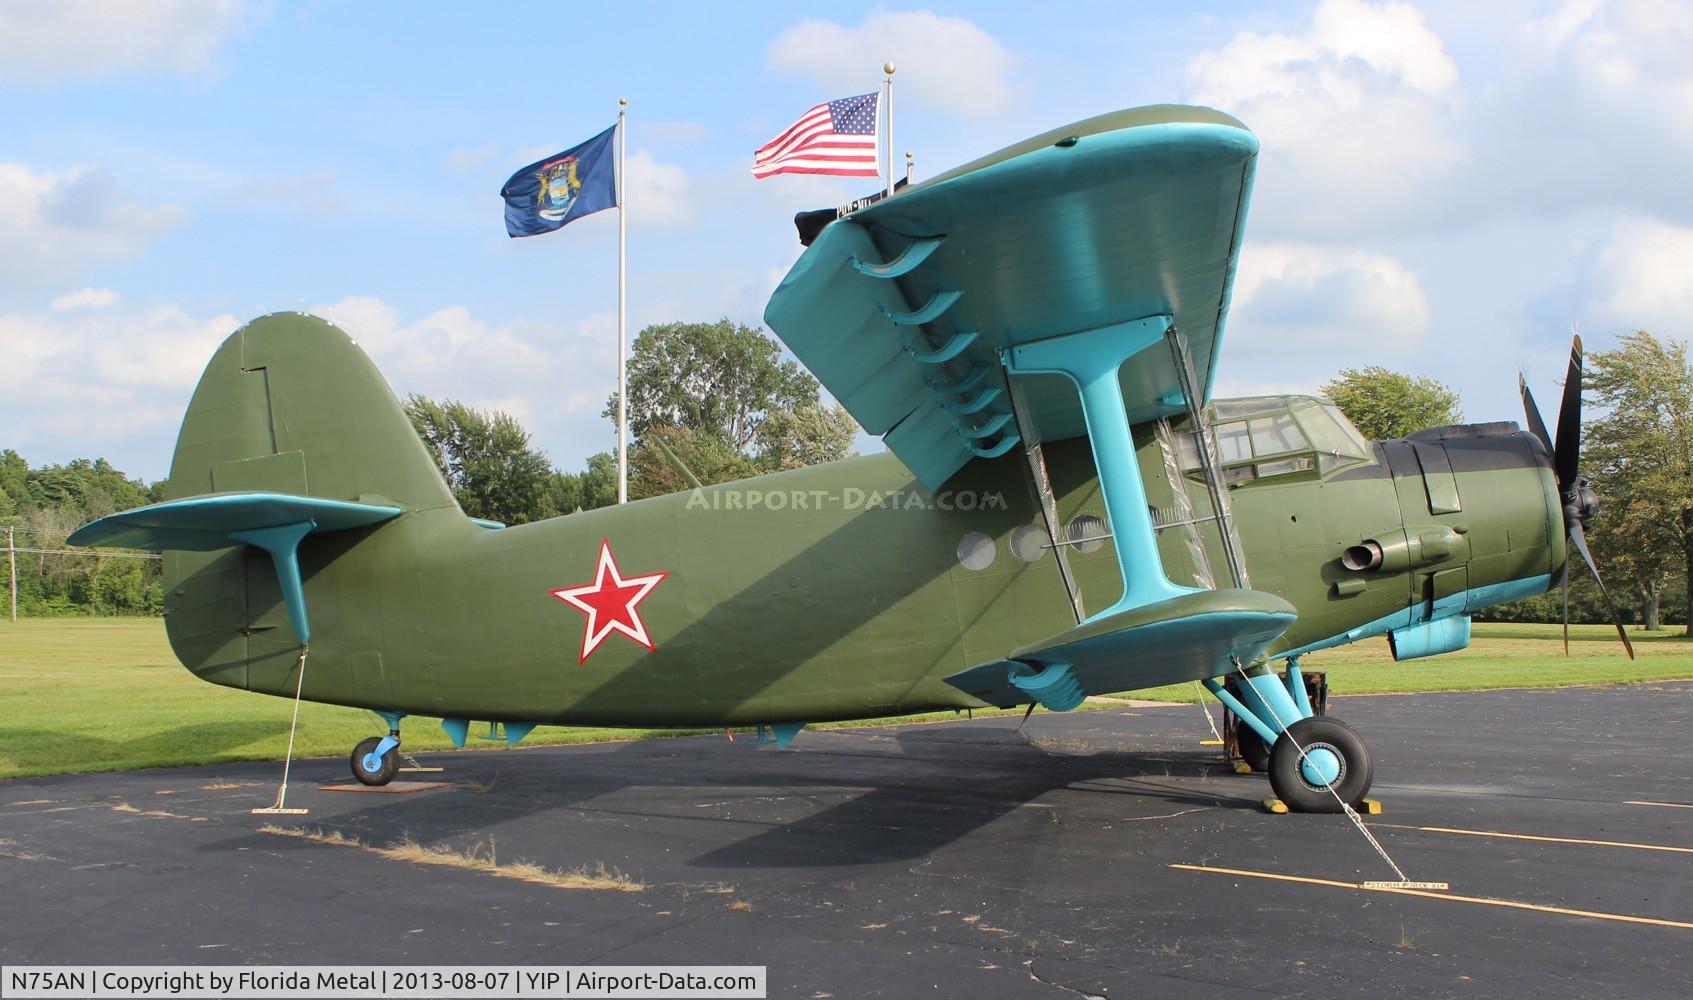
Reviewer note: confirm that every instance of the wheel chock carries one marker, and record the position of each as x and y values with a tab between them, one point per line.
391	788
1275	806
1242	767
1370	807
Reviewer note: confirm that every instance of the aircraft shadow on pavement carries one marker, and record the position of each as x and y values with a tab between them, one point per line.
941	784
952	783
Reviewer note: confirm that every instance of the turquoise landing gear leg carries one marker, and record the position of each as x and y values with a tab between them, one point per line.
1316	763
375	760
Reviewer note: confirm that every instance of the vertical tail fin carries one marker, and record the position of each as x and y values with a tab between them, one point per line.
289	404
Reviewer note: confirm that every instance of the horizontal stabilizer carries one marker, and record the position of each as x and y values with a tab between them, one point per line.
274	522
1191	637
204	523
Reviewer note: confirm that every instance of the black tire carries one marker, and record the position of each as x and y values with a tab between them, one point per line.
1252	747
1289	781
390	762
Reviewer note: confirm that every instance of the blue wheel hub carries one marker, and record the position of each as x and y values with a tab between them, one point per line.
1321	766
372	763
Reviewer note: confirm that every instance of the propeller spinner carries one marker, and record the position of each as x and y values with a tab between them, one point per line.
1580	503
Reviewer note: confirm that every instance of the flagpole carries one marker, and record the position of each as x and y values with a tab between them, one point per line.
622	306
888	153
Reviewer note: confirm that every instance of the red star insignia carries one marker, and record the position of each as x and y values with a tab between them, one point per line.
609	602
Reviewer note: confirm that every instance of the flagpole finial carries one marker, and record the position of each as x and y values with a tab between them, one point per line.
623	102
888	67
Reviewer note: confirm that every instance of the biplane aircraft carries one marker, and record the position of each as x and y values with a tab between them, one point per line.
1063	510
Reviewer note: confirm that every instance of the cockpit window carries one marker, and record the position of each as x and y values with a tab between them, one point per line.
1262	437
1275	434
1232	443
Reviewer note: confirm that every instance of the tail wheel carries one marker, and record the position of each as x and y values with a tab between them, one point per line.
1334	758
371	769
1251	747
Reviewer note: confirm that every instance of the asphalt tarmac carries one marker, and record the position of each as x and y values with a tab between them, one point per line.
947	860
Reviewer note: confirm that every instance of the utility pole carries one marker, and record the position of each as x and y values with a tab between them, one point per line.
12	560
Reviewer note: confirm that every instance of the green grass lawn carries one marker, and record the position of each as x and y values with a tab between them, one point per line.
91	694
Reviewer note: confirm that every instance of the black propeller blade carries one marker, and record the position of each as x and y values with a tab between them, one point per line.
1579	502
1580	539
1568	453
1536	426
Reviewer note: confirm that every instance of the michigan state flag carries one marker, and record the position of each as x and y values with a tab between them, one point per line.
562	188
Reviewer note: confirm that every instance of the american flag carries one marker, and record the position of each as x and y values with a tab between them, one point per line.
837	137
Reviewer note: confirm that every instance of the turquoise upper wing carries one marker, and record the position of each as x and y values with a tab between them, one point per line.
902	308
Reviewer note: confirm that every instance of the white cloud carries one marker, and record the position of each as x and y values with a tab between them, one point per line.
1369	129
947	62
98	382
553	376
1621	49
115	382
658	192
1352	112
1291	298
1596	110
160	346
1642	277
86	298
53	225
1300	312
42	41
1350	49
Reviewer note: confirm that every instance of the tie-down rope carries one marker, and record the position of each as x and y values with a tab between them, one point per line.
1351	813
1199	690
282	792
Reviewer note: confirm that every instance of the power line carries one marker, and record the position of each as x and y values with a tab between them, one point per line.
13	548
90	552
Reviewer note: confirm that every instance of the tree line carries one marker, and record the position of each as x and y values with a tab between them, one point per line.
720	400
45	504
718	397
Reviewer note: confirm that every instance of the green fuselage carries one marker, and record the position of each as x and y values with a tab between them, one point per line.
838	591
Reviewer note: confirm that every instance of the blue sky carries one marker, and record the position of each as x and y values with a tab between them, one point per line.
1444	187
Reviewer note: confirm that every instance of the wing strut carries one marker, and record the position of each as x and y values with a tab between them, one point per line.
1092	359
1193	396
1040	484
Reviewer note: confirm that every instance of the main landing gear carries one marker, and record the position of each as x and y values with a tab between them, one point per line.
1315	763
1319	763
376	760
